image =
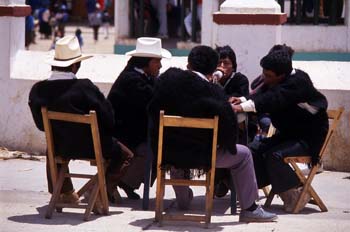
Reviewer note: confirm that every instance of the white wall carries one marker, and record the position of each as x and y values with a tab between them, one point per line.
249	47
308	38
322	38
121	19
209	6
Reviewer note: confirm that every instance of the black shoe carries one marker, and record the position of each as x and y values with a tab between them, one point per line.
220	189
114	196
129	191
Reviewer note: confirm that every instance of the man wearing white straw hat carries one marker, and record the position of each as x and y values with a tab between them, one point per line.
62	91
129	96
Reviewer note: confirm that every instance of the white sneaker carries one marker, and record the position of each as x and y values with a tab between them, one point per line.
258	215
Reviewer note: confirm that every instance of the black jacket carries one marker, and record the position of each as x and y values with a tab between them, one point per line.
129	96
291	120
237	86
183	93
73	96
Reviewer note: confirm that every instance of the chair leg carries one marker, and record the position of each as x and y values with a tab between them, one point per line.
159	195
161	203
266	191
92	201
318	200
309	189
233	199
86	186
269	199
209	199
56	191
147	180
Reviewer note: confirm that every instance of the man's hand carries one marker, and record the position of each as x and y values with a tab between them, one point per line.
234	100
237	108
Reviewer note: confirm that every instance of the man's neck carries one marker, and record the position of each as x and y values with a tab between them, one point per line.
201	75
57	75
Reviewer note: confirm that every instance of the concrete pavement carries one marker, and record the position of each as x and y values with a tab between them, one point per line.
24	198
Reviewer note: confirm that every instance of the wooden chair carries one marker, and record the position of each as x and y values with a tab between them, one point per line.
183	122
333	115
96	182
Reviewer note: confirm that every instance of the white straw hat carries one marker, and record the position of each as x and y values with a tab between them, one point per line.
67	52
149	47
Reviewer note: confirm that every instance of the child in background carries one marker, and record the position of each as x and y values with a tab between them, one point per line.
105	23
79	36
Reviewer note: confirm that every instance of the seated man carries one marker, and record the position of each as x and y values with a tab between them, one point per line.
298	111
189	93
129	96
235	84
63	92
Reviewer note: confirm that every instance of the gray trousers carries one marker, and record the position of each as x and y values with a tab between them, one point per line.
242	170
136	171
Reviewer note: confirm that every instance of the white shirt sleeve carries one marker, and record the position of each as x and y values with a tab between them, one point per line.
248	106
243	99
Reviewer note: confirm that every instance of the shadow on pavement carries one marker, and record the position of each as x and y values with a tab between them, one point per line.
65	218
150	224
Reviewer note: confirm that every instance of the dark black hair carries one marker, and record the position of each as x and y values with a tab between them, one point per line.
203	59
138	62
77	32
227	52
278	61
278	47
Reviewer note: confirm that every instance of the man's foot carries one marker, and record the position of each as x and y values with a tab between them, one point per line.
114	196
69	198
129	191
290	199
258	215
184	204
220	189
98	208
304	200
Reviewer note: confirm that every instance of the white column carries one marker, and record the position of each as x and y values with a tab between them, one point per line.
208	8
121	19
251	28
347	22
12	37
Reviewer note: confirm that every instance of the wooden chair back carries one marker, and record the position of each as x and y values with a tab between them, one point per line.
98	180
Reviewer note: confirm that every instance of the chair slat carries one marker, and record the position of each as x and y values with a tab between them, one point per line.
181	182
176	121
298	159
68	117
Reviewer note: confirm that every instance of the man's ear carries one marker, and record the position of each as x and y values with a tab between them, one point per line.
189	66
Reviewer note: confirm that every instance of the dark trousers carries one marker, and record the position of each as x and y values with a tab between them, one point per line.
118	164
269	166
95	28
